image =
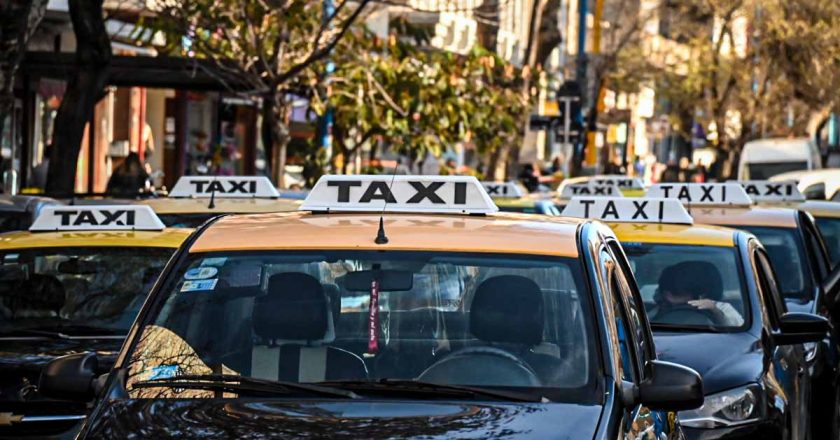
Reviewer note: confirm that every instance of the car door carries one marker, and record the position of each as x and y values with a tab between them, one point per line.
635	345
789	361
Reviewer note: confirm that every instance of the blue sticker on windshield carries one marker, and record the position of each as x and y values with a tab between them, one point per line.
198	285
164	372
201	273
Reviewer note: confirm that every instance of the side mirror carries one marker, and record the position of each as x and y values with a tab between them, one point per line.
70	377
801	328
671	387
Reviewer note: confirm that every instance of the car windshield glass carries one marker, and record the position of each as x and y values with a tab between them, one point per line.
445	318
185	220
830	230
787	255
690	287
760	171
73	289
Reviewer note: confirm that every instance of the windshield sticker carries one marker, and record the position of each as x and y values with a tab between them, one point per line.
198	285
220	261
201	273
164	372
11	258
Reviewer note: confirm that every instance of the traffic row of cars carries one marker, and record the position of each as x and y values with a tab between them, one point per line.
407	306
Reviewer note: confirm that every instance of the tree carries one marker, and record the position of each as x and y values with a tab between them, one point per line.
84	89
20	19
266	45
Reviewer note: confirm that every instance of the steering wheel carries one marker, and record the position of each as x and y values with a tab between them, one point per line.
688	315
481	366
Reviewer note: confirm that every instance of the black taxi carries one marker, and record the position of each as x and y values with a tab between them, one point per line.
387	307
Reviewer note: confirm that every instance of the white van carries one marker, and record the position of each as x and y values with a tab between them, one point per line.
764	158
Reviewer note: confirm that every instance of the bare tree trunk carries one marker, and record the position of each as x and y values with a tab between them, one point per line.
18	23
276	129
93	58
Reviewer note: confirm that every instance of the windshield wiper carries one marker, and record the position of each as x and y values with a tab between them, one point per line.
242	384
402	386
87	330
25	332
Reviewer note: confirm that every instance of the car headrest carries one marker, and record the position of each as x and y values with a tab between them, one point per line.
44	292
700	278
295	308
508	308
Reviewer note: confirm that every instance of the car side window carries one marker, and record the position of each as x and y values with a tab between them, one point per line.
769	288
629	364
635	306
816	249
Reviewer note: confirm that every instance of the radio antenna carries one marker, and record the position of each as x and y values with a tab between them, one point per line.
381	238
212	204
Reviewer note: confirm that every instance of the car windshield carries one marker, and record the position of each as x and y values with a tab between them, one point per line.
830	230
761	171
787	255
76	291
444	318
690	287
185	220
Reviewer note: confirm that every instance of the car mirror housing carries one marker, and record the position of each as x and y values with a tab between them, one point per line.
801	328
70	377
671	387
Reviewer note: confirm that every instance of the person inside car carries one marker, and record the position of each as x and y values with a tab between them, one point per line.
696	284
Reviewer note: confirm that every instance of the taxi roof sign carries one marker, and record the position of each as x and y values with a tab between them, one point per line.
97	218
570	191
622	182
417	194
509	189
629	210
767	191
730	194
224	187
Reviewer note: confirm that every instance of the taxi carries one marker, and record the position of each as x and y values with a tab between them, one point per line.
629	186
512	197
73	283
713	303
389	307
196	199
797	252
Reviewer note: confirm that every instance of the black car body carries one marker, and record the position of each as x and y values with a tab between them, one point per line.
17	212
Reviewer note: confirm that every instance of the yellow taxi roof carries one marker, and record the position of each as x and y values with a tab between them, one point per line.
495	233
772	217
695	235
819	208
223	206
522	202
168	238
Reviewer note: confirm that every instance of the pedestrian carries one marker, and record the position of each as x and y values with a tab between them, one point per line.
129	179
529	177
638	167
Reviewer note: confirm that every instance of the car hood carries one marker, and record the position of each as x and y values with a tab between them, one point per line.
724	360
250	418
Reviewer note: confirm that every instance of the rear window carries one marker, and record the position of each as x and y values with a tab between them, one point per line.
761	171
690	287
830	230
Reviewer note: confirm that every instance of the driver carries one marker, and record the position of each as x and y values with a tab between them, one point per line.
697	284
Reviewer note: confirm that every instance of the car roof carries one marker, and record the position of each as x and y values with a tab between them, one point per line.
506	233
24	203
696	235
168	238
746	216
521	202
222	205
819	208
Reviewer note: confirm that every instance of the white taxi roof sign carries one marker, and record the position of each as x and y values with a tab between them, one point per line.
509	189
570	191
773	191
622	182
224	187
417	194
729	194
97	218
629	210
